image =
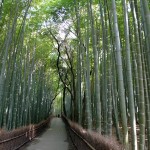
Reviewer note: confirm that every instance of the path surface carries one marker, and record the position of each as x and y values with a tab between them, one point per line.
55	138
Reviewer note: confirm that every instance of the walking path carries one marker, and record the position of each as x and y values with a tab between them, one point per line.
55	138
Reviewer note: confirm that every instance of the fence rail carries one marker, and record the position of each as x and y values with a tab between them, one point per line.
77	140
22	138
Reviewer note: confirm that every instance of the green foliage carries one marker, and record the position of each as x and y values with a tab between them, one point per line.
39	51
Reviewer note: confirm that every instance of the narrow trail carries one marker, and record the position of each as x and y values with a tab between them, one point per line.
54	138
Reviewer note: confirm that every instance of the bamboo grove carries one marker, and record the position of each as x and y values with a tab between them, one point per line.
25	92
95	53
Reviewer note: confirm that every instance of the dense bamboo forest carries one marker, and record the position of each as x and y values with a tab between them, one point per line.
86	59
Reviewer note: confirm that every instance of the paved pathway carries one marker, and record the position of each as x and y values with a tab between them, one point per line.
55	138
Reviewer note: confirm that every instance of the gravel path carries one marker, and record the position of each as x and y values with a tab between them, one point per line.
55	138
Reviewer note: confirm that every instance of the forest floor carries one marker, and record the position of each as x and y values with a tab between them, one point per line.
54	138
